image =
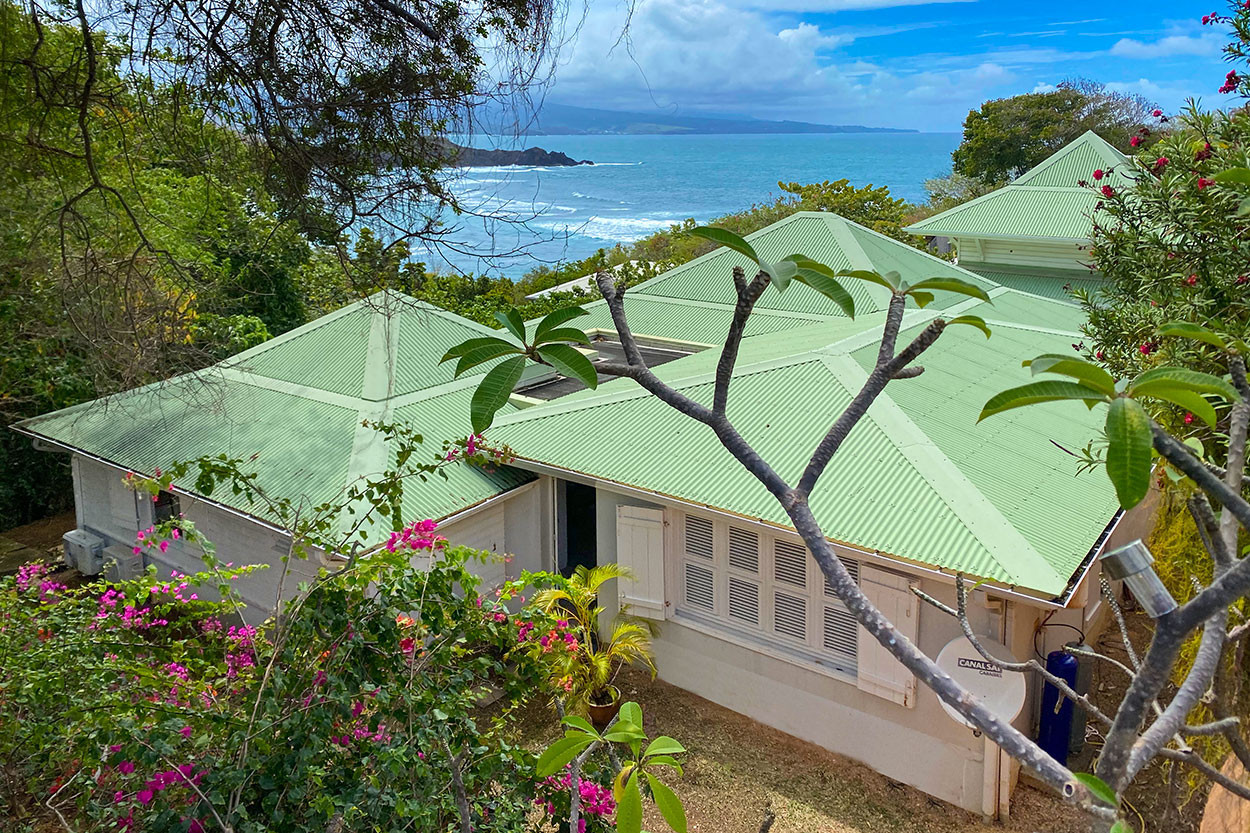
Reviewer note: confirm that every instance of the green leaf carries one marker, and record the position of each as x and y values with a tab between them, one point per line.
1098	788
664	745
1037	392
1243	208
781	272
824	280
1182	378
1195	403
1121	826
568	361
723	237
955	285
485	353
631	712
971	321
581	724
1194	332
470	345
1129	450
512	321
624	732
493	391
1240	176
560	753
668	802
629	807
922	299
664	760
555	319
563	334
872	277
1087	372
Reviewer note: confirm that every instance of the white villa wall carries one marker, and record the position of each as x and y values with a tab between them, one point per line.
973	251
518	524
105	505
921	746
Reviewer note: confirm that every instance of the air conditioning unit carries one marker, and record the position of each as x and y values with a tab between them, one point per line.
83	551
122	563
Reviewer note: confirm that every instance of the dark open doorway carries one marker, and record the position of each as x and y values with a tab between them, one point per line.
579	527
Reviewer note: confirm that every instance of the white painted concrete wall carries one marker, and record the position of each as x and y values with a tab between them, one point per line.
106	507
920	746
1069	256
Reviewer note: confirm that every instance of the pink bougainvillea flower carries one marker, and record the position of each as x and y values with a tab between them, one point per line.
185	731
144	797
126	767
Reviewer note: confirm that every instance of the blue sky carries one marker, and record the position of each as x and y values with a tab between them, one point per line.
892	63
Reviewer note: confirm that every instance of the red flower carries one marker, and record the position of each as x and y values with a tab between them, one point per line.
1135	141
1108	191
1191	280
1098	174
1203	182
1231	81
1098	355
1160	165
1189	418
1156	113
1242	278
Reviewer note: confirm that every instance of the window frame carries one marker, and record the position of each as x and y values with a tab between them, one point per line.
761	635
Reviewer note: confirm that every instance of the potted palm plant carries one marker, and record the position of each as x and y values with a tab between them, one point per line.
582	661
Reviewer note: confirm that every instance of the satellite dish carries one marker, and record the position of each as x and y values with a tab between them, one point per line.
999	690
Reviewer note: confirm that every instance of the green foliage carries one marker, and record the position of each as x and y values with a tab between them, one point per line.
1008	136
870	206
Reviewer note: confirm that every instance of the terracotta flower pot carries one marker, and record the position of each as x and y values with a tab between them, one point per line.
601	714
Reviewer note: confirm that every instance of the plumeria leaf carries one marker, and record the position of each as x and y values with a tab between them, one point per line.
873	277
512	321
581	724
555	319
664	745
1183	378
1194	332
956	285
493	391
1087	372
485	353
1195	403
1129	451
781	272
971	321
829	287
631	712
723	237
1121	826
1098	788
569	362
1243	208
922	299
668	802
470	345
560	753
629	806
1037	392
562	334
624	732
664	760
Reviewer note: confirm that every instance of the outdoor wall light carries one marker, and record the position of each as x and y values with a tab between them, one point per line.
1131	564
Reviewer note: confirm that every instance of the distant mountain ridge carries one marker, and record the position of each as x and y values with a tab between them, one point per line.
563	119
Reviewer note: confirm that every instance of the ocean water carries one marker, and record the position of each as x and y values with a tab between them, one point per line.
518	217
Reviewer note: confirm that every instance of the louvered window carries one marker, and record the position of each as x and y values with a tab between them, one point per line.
700	587
790	563
744	600
766	586
790	616
699	538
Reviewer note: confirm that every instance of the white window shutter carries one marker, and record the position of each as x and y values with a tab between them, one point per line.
879	672
640	547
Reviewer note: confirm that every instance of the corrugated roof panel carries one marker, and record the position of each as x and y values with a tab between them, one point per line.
1029	310
326	354
691	324
1056	285
1074	162
425	334
888	255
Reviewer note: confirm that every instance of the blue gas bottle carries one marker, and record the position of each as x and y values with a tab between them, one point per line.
1055	729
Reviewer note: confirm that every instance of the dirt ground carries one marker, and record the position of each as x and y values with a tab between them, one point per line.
43	534
737	767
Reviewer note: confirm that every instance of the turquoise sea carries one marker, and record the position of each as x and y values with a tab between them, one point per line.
641	184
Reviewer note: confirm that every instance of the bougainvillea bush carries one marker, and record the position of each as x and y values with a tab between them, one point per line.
379	700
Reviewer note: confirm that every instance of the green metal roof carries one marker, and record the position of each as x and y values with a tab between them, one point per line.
1045	204
1056	284
919	479
694	302
296	403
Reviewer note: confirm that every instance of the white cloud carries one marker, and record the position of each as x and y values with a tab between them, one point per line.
848	5
1207	44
